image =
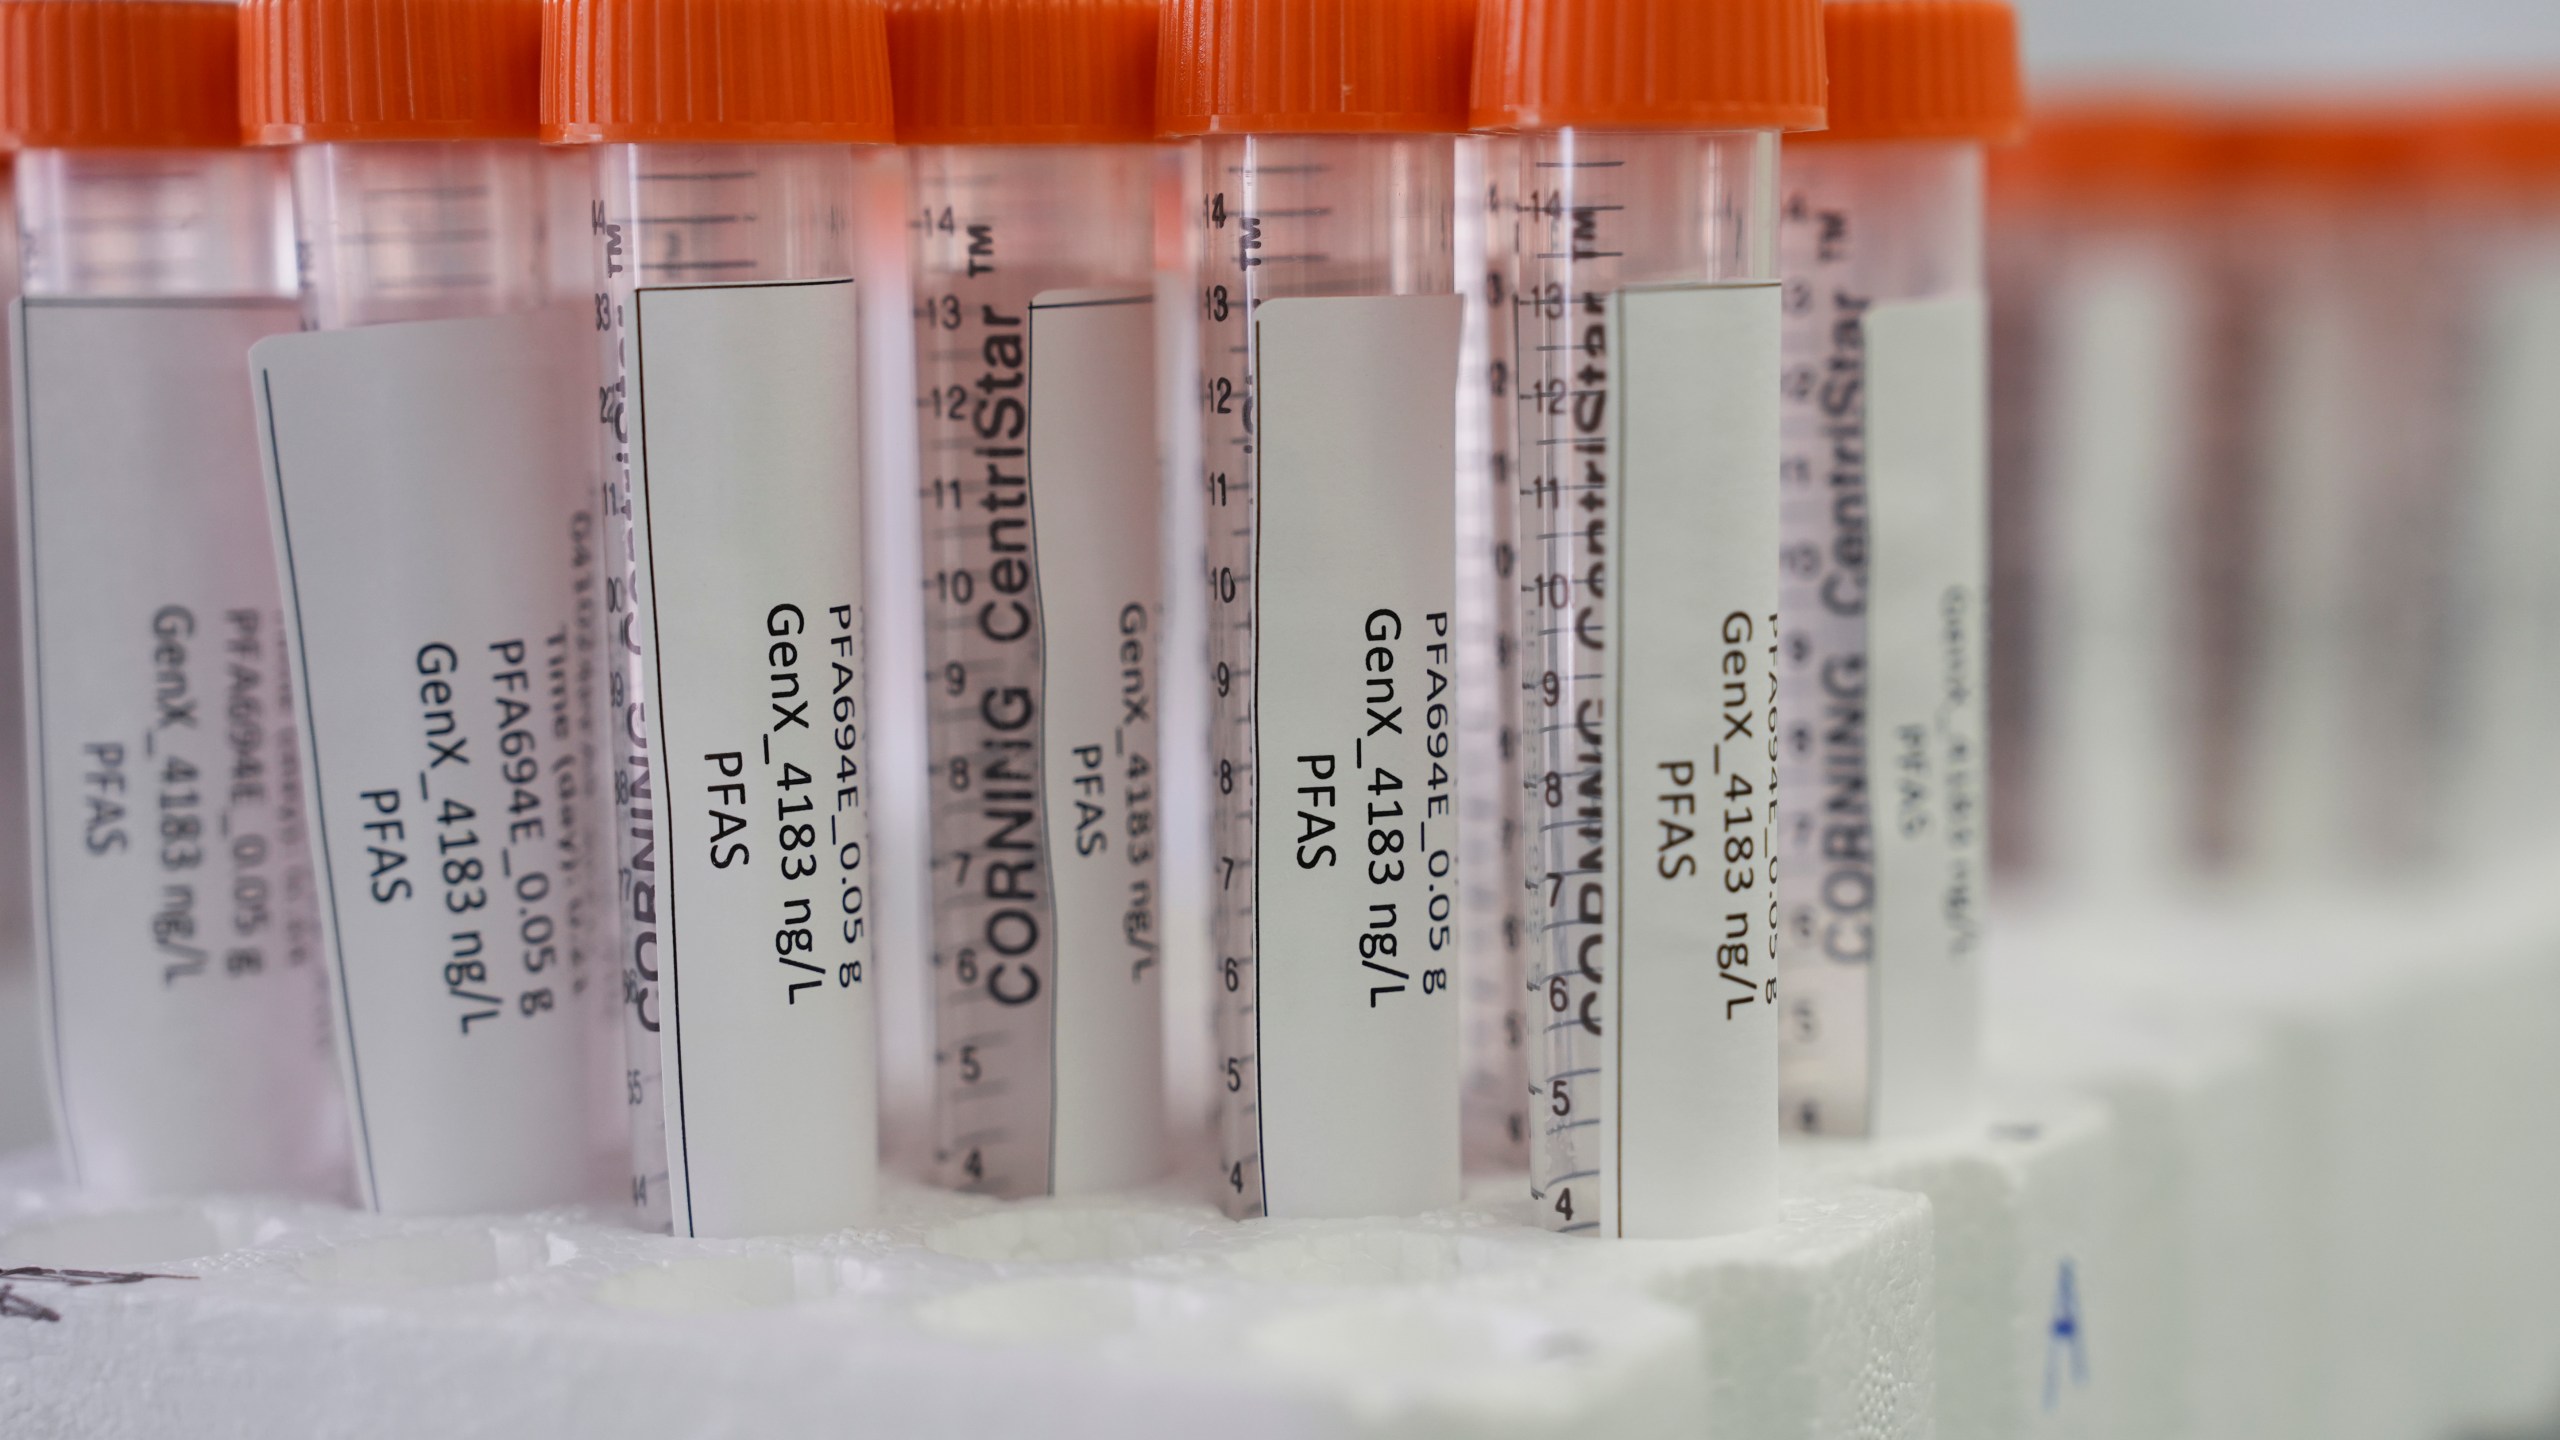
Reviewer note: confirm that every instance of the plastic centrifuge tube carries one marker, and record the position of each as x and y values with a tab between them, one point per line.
1329	349
439	548
2337	298
724	246
1644	300
1033	251
1884	846
2502	175
2105	670
186	1023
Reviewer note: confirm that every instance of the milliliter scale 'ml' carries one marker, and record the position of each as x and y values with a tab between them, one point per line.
1329	342
1645	311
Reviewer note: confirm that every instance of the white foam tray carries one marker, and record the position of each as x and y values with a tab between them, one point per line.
957	1316
2296	1165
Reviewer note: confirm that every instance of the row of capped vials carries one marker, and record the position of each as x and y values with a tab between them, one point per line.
444	633
2274	480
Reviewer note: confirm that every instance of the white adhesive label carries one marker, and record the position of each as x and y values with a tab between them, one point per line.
1928	521
1886	555
1692	699
1095	500
746	502
1356	828
428	482
187	1016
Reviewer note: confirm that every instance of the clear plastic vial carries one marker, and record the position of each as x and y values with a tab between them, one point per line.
1329	342
1884	609
1609	214
179	955
671	215
1033	256
1644	305
2336	326
723	243
2505	200
1882	826
2111	642
442	593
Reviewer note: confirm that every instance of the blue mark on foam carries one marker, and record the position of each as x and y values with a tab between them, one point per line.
2062	1334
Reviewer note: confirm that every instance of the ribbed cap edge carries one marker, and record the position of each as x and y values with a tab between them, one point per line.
118	74
1314	66
329	70
715	71
1649	64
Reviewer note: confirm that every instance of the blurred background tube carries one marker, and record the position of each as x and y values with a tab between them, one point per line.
475	1001
182	1010
2496	175
1883	833
2096	325
1034	252
2274	524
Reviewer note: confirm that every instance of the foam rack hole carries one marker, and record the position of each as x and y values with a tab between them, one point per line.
417	1262
1363	1256
1057	1235
1059	1311
711	1284
120	1240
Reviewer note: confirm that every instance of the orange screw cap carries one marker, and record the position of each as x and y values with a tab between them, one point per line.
1023	72
118	75
2496	142
1314	67
1650	65
314	71
2108	151
1923	70
2337	149
715	72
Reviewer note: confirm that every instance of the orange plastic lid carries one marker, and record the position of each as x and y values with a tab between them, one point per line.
1923	70
2499	142
1315	67
1023	72
2106	150
715	71
313	71
119	74
1650	65
2334	149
